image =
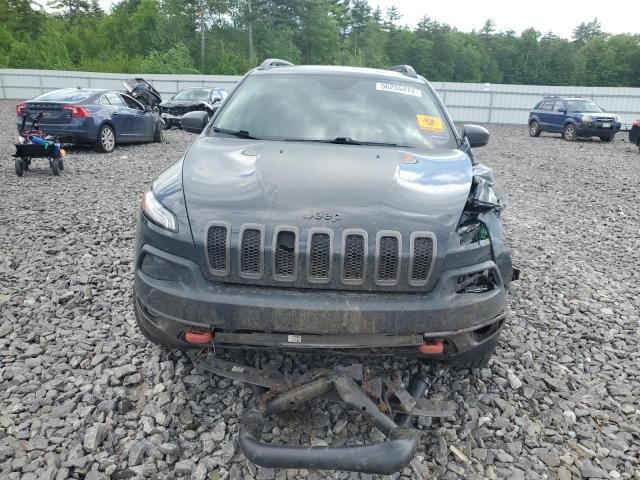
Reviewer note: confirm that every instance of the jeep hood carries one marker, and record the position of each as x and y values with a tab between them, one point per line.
284	183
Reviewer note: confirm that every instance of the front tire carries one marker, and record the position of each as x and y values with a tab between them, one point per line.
158	137
570	132
534	129
608	138
106	140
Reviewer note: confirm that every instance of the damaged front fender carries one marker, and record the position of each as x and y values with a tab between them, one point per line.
486	193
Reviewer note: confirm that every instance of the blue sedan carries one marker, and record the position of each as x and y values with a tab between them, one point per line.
100	117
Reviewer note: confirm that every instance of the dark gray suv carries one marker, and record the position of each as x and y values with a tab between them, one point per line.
326	208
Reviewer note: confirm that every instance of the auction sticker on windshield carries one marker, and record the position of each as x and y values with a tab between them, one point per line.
430	123
395	88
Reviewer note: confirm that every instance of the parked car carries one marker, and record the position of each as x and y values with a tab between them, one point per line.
572	117
100	117
326	222
326	209
191	100
634	134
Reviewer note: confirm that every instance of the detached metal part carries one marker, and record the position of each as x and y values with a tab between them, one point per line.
338	384
485	193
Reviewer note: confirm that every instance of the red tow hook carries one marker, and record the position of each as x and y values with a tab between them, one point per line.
432	347
198	338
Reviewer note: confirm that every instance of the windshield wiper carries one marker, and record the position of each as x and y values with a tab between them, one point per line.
235	133
348	141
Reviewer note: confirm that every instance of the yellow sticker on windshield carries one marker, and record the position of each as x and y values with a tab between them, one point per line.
430	123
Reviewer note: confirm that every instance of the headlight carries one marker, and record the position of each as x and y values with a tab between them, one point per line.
587	118
472	231
157	213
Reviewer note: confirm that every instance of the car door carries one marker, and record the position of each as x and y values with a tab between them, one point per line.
544	114
141	121
557	116
119	119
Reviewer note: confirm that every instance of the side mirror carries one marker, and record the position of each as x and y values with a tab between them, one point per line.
562	110
476	135
194	122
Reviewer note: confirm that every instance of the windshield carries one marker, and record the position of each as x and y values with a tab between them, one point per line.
583	106
328	107
193	94
67	95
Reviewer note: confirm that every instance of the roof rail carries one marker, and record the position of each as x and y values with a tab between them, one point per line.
405	70
273	63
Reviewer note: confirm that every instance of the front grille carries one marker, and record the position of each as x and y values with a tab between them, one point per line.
388	260
320	256
258	256
285	255
251	251
217	248
421	258
354	257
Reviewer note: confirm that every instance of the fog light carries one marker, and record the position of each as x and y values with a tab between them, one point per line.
159	268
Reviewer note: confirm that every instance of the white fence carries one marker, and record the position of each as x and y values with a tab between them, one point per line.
467	102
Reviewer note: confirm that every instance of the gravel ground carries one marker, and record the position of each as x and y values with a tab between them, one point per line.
83	395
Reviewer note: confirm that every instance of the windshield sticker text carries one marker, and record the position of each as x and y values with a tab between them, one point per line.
430	123
404	90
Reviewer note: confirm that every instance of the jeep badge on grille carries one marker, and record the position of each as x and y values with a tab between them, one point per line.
327	216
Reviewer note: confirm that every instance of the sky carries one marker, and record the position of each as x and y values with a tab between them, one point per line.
558	16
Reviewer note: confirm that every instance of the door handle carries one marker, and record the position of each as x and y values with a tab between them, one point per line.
115	113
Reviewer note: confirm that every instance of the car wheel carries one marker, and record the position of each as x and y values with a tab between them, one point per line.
608	138
60	164
26	163
19	167
106	139
570	132
159	135
534	129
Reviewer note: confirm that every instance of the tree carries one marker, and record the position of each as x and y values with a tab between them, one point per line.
585	32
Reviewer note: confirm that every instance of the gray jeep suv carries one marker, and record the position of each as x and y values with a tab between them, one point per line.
326	208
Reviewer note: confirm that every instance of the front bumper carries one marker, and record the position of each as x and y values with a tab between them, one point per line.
171	119
596	129
317	319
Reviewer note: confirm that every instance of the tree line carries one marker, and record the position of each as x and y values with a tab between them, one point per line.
232	36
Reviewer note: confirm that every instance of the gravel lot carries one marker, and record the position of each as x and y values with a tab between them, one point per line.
83	395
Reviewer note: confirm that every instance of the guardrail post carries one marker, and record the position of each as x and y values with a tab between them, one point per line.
40	83
4	93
